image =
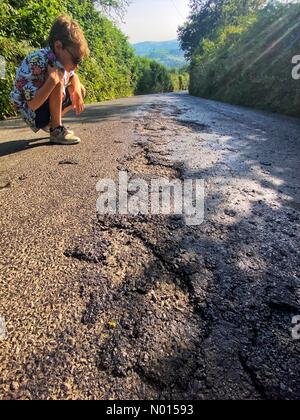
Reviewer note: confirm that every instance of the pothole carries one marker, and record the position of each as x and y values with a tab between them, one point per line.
145	166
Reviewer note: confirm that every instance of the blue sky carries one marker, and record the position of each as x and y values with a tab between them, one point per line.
154	20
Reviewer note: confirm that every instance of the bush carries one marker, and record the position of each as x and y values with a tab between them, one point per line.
250	63
152	77
180	79
13	53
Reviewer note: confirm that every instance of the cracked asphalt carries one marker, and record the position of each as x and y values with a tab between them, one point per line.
147	307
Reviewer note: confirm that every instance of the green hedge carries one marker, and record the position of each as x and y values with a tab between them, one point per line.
180	79
251	63
13	52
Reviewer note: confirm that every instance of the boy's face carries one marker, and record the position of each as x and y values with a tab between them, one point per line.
68	56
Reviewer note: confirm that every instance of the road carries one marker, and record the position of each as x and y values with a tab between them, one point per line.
148	307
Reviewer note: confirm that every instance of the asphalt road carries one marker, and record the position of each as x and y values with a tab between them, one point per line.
146	307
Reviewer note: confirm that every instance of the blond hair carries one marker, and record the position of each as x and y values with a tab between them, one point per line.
69	33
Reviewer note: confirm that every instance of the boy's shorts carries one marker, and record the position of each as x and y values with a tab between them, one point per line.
42	114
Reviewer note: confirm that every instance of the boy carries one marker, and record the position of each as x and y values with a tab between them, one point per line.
46	85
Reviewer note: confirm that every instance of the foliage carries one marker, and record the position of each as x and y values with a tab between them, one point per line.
208	16
249	60
152	77
13	52
180	79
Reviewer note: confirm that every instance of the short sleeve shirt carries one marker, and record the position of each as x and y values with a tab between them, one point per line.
30	77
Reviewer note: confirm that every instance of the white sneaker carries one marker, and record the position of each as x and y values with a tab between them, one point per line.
47	129
61	135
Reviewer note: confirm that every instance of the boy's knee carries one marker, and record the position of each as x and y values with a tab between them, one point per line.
60	84
59	88
58	92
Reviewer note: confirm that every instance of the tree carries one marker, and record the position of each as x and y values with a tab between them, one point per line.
207	16
114	9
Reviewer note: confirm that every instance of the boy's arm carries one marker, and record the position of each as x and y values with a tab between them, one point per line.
55	76
77	99
75	82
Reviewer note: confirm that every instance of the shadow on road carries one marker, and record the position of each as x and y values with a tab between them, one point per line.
14	146
96	113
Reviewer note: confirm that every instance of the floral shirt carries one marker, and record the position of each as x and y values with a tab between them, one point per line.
30	77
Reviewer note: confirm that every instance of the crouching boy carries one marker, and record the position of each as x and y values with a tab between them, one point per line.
46	85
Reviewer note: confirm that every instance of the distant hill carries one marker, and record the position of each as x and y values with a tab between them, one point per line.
168	53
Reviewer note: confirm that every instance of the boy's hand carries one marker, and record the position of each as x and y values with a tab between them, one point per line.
56	74
78	103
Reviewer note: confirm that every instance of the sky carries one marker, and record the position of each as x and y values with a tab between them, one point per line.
154	20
